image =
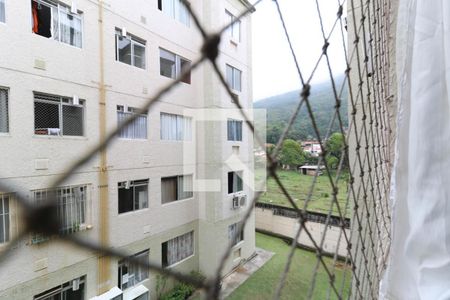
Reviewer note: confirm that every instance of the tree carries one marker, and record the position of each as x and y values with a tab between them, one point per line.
292	154
335	148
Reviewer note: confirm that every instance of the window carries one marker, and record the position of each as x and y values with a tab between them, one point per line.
235	182
56	21
131	274
175	9
172	65
4	111
56	115
73	289
133	195
234	78
235	234
176	127
137	129
177	249
2	11
4	218
176	188
234	31
130	50
71	208
234	128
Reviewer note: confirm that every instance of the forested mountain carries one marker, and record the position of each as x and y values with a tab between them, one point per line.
281	107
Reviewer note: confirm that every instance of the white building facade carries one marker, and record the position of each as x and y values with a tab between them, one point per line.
166	189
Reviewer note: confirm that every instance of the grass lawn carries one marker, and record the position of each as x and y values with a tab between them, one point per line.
298	186
263	283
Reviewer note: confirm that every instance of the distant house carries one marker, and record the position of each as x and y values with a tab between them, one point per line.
312	147
311	170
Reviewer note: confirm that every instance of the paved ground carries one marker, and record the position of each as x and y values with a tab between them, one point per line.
242	273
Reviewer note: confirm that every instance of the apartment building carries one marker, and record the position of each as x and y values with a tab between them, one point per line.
165	191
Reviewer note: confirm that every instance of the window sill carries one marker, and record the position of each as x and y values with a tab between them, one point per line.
5	135
177	201
180	262
83	227
129	139
234	42
136	67
60	137
133	212
238	245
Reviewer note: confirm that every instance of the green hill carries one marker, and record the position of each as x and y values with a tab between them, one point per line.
281	107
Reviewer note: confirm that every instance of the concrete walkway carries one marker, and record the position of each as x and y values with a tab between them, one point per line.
242	273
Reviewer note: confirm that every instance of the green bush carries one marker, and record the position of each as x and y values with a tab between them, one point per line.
182	291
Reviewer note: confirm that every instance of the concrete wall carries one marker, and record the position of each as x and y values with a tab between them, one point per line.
334	240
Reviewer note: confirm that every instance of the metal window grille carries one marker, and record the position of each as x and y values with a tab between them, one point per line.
137	129
71	206
4	110
56	115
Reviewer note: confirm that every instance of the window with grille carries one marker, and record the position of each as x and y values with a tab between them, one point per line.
176	188
235	233
137	129
234	31
233	77
74	289
4	218
133	195
172	65
130	50
130	274
57	21
4	111
56	115
176	127
235	182
71	206
234	130
176	10
177	249
2	11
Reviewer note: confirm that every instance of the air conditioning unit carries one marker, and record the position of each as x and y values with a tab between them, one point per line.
243	200
236	202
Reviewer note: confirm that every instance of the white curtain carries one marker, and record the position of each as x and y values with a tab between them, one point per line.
168	7
2	10
419	261
182	12
175	127
70	28
136	130
185	187
180	247
4	123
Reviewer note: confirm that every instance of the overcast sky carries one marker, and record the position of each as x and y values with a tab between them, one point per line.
274	71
